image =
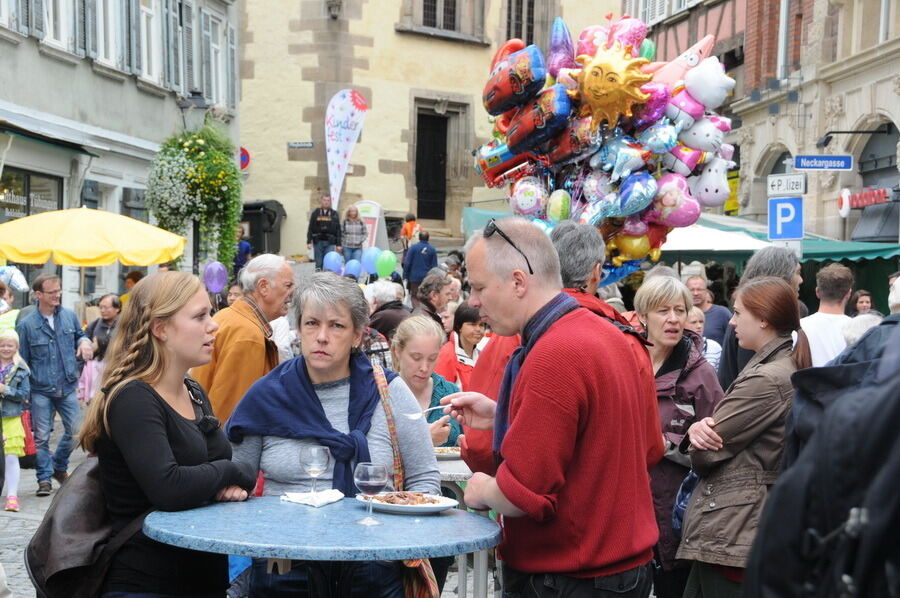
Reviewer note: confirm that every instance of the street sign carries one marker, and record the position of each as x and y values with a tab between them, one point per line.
245	158
300	144
823	162
785	218
786	184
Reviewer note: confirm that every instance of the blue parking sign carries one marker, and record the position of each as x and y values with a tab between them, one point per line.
785	218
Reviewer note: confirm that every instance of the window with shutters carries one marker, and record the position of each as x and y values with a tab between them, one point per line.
214	54
654	11
151	40
529	20
108	31
454	20
59	23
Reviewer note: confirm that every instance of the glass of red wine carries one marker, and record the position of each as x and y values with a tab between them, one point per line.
371	479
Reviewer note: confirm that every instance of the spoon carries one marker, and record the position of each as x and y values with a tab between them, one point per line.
420	414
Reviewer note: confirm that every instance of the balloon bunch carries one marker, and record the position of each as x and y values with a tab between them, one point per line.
600	134
374	261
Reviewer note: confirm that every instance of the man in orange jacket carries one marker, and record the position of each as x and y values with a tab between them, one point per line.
244	350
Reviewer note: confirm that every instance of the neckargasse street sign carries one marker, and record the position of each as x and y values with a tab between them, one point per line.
823	162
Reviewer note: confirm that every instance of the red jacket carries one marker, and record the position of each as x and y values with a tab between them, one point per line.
645	378
486	377
575	455
451	368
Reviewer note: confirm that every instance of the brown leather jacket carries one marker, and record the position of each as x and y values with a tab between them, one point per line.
724	510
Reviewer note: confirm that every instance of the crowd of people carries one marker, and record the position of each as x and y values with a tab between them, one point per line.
582	424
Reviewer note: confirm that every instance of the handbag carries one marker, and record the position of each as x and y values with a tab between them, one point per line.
418	574
29	461
72	548
682	499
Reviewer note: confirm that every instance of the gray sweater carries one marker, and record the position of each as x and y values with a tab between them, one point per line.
279	458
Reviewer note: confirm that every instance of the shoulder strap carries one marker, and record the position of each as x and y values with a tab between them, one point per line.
381	381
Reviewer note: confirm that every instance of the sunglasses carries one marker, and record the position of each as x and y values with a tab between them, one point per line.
492	228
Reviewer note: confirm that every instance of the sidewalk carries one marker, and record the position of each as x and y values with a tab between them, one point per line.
16	529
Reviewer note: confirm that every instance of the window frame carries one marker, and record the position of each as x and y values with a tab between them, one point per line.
107	31
439	15
151	41
65	20
5	13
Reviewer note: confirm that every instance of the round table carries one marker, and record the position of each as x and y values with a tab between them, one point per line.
269	528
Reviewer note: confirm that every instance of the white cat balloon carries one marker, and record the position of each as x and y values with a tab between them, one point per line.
706	134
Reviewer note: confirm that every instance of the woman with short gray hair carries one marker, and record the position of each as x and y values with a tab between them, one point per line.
329	396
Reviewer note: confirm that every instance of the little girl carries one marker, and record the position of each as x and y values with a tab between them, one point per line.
14	392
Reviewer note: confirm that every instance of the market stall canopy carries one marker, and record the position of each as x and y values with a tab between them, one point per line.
703	243
88	238
816	248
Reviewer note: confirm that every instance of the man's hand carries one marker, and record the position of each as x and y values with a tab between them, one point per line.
231	494
440	430
85	351
309	245
2	388
703	437
477	489
472	409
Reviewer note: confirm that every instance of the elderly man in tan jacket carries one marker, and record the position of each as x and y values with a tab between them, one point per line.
244	351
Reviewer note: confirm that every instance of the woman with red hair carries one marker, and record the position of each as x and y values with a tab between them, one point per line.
737	451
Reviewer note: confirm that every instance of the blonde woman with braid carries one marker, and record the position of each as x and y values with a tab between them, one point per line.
158	444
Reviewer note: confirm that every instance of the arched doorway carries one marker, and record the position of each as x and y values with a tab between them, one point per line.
878	167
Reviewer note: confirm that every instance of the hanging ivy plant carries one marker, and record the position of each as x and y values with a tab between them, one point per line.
194	178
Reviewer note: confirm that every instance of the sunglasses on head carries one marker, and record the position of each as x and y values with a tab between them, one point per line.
492	228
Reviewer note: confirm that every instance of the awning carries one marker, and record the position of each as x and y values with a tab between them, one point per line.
816	248
704	243
878	223
11	129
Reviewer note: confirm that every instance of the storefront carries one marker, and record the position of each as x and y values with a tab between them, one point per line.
877	161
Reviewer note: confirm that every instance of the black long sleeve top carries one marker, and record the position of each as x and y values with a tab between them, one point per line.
324	225
156	458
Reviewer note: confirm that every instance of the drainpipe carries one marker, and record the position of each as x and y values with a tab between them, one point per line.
783	16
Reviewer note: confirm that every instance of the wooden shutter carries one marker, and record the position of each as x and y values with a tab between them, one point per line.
20	12
36	18
187	29
174	45
232	69
631	8
80	28
123	48
657	10
90	28
206	55
134	35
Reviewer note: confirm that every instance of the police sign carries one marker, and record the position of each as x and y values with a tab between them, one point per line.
785	218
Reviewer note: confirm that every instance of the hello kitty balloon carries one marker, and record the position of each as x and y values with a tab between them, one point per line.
708	84
707	134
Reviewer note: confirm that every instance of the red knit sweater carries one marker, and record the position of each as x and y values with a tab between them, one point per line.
575	455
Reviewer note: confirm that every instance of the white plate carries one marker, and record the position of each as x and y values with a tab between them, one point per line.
448	456
443	504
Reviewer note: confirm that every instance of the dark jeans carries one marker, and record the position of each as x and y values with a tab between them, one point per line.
321	248
370	579
634	583
151	595
670	584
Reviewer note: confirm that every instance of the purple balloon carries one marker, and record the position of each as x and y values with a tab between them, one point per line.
215	277
562	49
655	107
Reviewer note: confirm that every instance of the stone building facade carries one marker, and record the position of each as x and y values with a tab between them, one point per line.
421	66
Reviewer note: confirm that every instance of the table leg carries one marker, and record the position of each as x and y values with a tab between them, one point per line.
480	574
462	575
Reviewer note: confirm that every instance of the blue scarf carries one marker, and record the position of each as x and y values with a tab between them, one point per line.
284	403
539	323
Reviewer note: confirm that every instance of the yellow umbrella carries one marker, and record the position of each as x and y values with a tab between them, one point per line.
87	238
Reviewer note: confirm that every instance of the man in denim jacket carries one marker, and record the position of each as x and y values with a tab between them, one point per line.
50	339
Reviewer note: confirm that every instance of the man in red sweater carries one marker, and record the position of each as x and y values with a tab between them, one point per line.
569	429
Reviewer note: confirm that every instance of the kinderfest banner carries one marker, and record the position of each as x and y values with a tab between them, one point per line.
343	124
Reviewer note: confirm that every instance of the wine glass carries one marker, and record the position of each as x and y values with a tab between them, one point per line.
314	460
371	479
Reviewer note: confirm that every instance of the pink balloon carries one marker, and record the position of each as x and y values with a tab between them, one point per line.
655	107
591	38
673	205
629	32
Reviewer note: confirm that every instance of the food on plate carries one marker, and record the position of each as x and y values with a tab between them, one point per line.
406	498
446	450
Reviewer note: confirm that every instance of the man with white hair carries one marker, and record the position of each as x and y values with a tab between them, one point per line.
570	428
244	350
389	310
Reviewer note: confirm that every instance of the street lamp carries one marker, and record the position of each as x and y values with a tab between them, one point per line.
193	108
825	139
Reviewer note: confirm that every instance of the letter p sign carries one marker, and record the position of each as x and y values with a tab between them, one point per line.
785	218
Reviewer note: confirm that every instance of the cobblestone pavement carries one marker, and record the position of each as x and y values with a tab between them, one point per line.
16	529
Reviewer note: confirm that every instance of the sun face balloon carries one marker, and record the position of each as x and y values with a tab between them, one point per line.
609	84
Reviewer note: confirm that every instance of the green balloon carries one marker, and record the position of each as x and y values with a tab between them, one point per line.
648	49
385	263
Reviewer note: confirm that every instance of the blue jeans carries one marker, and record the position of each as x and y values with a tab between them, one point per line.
306	579
43	409
321	248
352	253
